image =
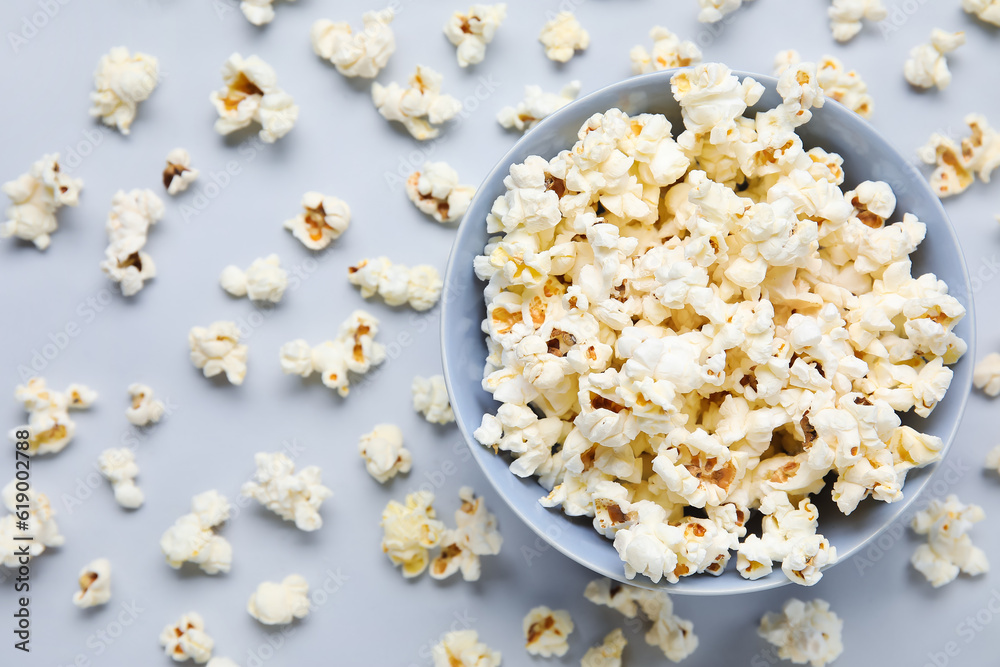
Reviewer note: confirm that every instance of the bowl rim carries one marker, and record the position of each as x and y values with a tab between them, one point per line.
775	579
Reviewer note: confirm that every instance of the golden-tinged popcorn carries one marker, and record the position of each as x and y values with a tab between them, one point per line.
434	189
122	80
251	94
41	525
956	166
118	467
420	106
411	529
384	453
846	16
430	398
420	286
473	29
984	10
216	349
668	52
804	632
178	175
846	87
712	11
535	106
987	375
35	197
258	12
362	54
353	350
49	426
187	640
927	66
462	648
608	653
949	549
546	632
191	539
264	280
95	584
280	603
143	409
323	220
475	535
292	496
563	36
132	214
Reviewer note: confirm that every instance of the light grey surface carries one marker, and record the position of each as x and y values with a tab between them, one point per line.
341	146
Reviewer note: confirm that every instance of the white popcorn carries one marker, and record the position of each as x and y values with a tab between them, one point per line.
712	11
987	375
434	189
563	36
846	16
420	286
363	54
324	219
258	12
804	632
668	52
143	409
384	453
187	639
178	175
264	280
122	81
546	632
473	29
35	197
222	662
49	427
191	539
993	459
411	529
95	584
475	535
118	467
927	66
292	496
132	214
608	653
420	106
949	549
353	350
984	10
535	106
462	648
41	526
216	349
251	94
846	87
957	166
430	398
280	603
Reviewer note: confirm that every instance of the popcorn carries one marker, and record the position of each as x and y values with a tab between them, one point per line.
949	549
987	375
324	220
927	67
546	632
535	106
984	10
420	287
846	15
846	87
712	11
419	107
436	192
475	535
473	30
250	95
353	350
178	175
264	280
993	459
35	198
363	54
222	662
132	214
191	540
410	530
258	12
95	584
430	398
804	632
41	525
384	453
118	467
49	426
563	36
280	603
608	653
144	409
216	349
957	166
668	52
292	496
187	639
462	648
122	81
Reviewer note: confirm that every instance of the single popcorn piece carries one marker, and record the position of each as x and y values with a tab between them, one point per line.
563	36
323	220
462	648
132	214
535	106
993	459
547	632
420	286
430	398
475	535
361	54
187	640
804	632
264	280
143	408
222	662
292	496
420	106
411	529
984	10
668	52
95	584
122	80
35	197
608	653
987	375
712	11
927	66
949	549
434	189
846	16
838	83
384	453
354	350
118	467
49	428
41	526
956	166
178	175
251	95
280	603
473	29
216	349
191	539
258	12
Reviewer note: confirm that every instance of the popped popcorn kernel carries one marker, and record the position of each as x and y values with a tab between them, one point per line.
41	526
430	398
280	603
131	216
95	584
546	632
563	36
608	653
292	496
187	640
846	16
462	648
536	106
122	81
258	12
927	66
987	375
804	632
411	529
50	427
35	198
251	95
985	10
144	409
949	549
361	54
418	107
264	280
993	459
838	83
324	219
192	540
354	350
435	191
473	29
474	535
216	349
419	287
712	11
669	51
956	166
118	467
178	175
384	453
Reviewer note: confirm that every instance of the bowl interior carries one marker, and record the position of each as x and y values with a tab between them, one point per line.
867	156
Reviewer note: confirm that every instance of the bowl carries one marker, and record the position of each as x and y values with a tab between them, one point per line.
867	156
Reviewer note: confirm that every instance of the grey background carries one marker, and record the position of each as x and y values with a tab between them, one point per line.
341	146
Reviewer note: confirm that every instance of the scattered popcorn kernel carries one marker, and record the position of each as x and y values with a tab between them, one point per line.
949	549
547	632
95	584
250	95
49	426
191	540
475	535
430	398
712	11
420	106
846	87
143	409
993	459
216	349
846	16
222	662
984	10
957	166
353	350
187	639
35	197
411	529
323	220
927	66
608	653
41	526
535	106
118	467
563	36
434	189
292	496
363	54
280	603
473	29
178	175
420	286
987	375
264	280
258	12
804	632
668	52
122	81
384	453
462	648
132	214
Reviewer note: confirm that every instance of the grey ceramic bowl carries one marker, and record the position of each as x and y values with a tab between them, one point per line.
867	156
